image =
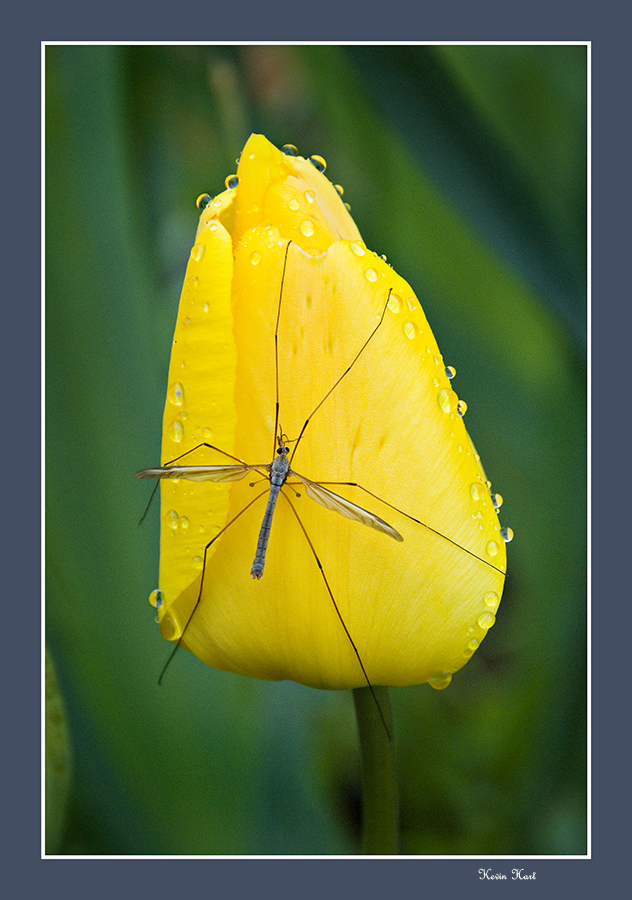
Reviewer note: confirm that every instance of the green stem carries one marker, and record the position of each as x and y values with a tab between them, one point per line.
380	825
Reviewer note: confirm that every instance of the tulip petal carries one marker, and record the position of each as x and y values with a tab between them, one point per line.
416	610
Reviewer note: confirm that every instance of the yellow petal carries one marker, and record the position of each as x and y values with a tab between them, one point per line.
291	194
203	357
416	610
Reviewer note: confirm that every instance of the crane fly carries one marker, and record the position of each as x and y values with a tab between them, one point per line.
282	476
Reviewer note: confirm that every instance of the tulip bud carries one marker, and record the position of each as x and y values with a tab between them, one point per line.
416	610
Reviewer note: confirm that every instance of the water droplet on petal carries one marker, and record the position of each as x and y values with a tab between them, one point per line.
307	228
461	408
340	189
172	518
289	150
370	275
206	432
492	548
176	430
394	302
184	523
358	249
438	359
347	207
318	162
492	600
255	257
412	303
473	644
310	196
507	535
198	562
203	201
486	620
231	182
409	330
497	500
294	204
474	491
450	371
440	681
176	394
447	400
155	598
197	252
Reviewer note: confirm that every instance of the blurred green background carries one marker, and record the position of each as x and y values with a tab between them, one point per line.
466	166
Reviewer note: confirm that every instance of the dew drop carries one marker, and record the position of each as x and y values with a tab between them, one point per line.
438	359
507	535
450	371
203	201
497	500
197	252
231	182
198	562
340	189
310	196
176	394
254	208
492	600
255	257
473	644
461	408
176	430
294	204
486	620
394	301
184	523
212	226
370	275
409	330
440	681
318	162
172	518
218	202
435	382
446	400
358	249
412	303
307	228
492	548
155	598
289	150
347	207
206	307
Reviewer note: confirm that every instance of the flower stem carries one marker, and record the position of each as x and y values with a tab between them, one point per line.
380	826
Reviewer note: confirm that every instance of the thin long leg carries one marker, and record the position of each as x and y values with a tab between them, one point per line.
413	519
210	447
339	614
199	597
346	372
276	354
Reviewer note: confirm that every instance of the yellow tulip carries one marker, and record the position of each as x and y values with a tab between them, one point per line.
416	610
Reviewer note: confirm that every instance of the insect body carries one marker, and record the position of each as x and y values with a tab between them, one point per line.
277	471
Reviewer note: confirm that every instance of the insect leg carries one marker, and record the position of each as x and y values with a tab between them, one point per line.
339	614
199	597
413	519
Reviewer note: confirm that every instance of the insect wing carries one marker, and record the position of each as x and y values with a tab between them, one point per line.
345	507
201	473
